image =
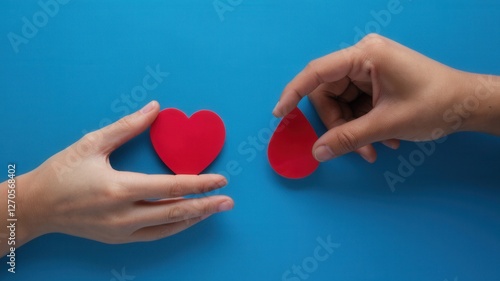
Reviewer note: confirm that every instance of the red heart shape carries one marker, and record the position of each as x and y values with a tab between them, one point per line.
290	147
187	145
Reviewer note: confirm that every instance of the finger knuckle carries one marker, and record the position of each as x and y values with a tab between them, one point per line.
204	206
162	233
117	225
120	224
175	213
347	141
372	36
159	234
88	142
313	68
114	192
206	187
373	42
176	188
125	123
89	139
188	223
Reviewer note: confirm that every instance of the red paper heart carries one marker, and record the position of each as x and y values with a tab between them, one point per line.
187	145
290	147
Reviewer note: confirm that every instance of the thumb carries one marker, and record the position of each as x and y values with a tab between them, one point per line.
350	136
114	135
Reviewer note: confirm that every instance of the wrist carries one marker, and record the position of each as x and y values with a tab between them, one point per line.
31	217
13	231
479	104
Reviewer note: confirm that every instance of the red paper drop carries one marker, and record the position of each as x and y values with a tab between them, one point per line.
290	147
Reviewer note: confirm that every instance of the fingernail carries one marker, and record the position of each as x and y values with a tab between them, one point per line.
222	183
275	110
225	206
323	153
394	146
368	159
148	107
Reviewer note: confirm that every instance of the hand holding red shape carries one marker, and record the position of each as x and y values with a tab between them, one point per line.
187	145
290	148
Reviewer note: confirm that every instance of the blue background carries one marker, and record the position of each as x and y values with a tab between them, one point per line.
442	223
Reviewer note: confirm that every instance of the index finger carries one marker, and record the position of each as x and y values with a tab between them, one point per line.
138	186
329	68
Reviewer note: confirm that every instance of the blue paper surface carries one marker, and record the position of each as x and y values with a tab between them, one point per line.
78	69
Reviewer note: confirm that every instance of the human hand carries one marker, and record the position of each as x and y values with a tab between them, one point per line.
77	192
381	91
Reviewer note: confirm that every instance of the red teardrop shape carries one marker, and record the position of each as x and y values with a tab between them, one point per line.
187	145
290	147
